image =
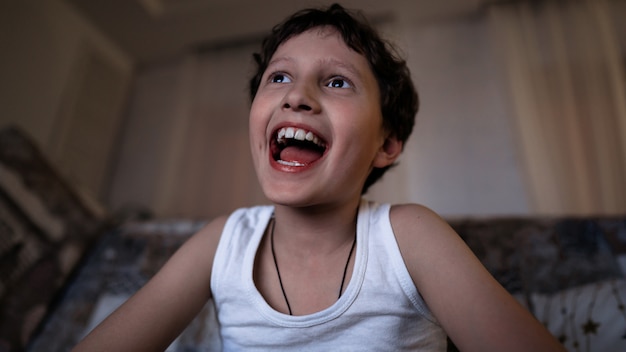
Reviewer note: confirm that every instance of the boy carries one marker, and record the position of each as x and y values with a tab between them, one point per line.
323	269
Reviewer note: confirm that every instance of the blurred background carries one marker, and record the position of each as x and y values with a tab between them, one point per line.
143	103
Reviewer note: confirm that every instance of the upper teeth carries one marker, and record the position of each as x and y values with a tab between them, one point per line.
298	134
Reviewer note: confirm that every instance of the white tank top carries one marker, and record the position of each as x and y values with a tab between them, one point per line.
380	310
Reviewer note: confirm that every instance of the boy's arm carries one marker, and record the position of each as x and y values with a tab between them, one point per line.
473	308
153	317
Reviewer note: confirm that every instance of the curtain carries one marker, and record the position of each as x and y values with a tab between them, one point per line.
567	85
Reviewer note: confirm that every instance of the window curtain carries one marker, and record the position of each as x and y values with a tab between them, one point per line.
567	85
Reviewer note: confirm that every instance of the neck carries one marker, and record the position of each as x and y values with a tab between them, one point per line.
316	230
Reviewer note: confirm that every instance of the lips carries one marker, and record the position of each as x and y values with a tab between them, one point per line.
297	147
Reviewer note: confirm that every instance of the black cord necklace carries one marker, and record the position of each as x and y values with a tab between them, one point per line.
280	280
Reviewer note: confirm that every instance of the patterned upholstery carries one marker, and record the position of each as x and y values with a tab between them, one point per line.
566	271
44	231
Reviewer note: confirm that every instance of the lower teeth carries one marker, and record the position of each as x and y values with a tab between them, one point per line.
290	163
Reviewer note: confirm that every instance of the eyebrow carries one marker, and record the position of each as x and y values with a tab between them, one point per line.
344	65
279	59
323	62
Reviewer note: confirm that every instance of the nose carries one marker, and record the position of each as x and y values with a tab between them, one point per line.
302	97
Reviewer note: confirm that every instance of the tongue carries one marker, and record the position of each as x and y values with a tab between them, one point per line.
300	155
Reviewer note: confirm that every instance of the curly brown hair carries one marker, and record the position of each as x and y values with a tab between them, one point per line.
398	96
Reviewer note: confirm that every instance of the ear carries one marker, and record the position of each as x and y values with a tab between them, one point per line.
388	152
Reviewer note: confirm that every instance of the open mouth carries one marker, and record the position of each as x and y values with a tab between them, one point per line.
297	147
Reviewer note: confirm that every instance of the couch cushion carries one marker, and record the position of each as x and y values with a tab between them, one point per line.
44	230
545	255
590	317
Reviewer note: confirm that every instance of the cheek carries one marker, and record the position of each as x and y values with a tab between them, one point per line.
261	107
258	121
254	136
255	119
367	123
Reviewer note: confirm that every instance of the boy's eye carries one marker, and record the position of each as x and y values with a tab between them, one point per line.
338	83
280	78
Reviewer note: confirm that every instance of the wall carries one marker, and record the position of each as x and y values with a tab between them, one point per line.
461	159
52	67
185	152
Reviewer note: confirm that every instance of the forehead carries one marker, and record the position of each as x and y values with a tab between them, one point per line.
324	44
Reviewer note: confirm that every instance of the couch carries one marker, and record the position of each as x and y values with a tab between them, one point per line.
65	266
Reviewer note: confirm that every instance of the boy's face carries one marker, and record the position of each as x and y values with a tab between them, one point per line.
315	122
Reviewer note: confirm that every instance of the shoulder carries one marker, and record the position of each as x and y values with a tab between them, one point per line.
213	229
473	308
241	222
428	245
413	214
203	244
210	234
426	241
414	223
436	257
199	250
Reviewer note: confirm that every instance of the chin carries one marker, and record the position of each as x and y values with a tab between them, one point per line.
295	196
290	199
